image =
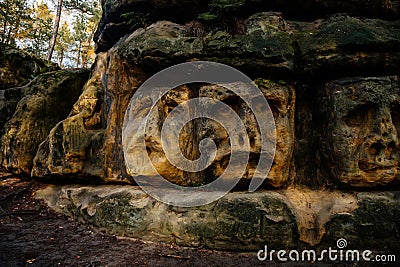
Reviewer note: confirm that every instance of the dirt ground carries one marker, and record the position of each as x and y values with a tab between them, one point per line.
33	235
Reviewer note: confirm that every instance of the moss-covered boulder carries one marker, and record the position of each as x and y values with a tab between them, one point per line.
115	24
239	221
45	101
17	67
373	225
267	45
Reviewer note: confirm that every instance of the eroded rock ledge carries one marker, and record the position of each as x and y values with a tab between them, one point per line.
239	221
113	25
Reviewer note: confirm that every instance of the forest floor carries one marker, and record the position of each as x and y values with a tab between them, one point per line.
31	234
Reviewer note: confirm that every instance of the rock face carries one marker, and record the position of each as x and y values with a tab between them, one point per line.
113	25
74	145
9	99
282	101
171	43
267	46
341	45
16	69
282	97
271	48
45	101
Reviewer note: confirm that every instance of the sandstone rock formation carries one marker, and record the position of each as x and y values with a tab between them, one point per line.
45	101
74	145
332	82
282	103
342	45
16	69
172	43
272	47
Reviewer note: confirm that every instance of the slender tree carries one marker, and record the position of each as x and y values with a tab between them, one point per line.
39	35
55	30
64	43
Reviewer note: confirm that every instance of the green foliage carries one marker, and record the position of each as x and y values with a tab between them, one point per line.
136	19
40	30
28	24
90	8
64	42
218	9
14	19
208	16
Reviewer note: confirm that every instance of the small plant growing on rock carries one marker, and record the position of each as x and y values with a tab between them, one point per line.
195	28
223	12
136	20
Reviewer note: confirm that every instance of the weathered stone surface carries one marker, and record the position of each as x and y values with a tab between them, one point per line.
239	221
159	163
360	131
313	209
74	146
109	35
281	99
236	222
9	99
46	100
267	46
373	225
327	48
345	132
18	67
113	26
122	81
341	45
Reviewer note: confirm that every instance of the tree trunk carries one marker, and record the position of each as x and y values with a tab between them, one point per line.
3	37
55	30
79	54
8	39
61	59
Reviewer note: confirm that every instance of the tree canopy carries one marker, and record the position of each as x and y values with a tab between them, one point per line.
30	25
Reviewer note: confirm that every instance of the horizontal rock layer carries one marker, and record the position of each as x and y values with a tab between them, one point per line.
114	25
239	221
334	47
